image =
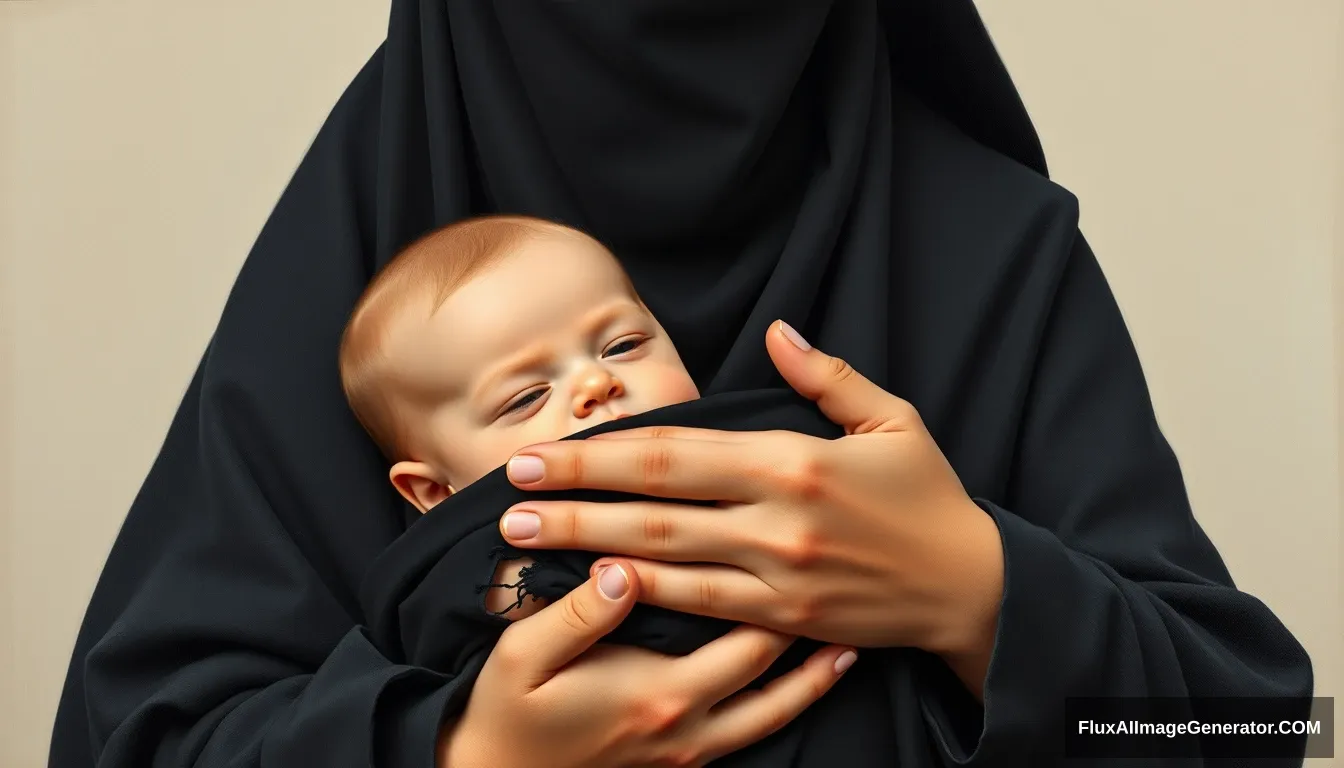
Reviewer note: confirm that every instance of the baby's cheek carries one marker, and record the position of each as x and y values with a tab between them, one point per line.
673	387
499	598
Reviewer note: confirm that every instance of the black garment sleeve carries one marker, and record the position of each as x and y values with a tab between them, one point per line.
1112	589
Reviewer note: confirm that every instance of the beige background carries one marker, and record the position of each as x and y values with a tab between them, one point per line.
143	142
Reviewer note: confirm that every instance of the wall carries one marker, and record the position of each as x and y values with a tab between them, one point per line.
143	142
8	403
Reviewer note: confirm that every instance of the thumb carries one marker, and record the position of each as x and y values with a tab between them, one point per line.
842	393
560	632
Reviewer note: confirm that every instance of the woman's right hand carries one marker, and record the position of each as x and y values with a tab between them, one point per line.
548	697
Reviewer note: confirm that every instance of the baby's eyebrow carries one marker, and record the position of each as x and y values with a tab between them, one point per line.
591	324
534	359
607	313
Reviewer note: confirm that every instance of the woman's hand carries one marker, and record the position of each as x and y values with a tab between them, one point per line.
548	698
869	539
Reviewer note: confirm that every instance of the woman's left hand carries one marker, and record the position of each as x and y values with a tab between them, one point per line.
868	540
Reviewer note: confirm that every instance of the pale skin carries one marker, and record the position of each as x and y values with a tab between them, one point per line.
864	541
868	540
548	698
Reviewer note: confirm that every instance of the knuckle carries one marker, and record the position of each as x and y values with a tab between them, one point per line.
762	653
657	531
649	585
578	615
707	595
902	414
655	465
779	711
799	549
806	480
681	757
839	369
658	716
805	475
573	468
567	515
906	411
775	719
797	613
818	685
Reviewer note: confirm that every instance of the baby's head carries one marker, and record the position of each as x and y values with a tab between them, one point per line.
490	335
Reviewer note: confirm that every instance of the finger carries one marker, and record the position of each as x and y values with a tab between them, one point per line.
516	611
717	591
647	529
678	433
842	393
677	469
725	666
540	645
753	715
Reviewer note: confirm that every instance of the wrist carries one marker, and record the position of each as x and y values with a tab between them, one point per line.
453	751
974	576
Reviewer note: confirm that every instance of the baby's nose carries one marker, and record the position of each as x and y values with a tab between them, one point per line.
596	389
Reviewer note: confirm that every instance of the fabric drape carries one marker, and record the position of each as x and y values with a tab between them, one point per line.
862	169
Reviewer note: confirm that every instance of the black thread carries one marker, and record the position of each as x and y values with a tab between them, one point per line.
522	588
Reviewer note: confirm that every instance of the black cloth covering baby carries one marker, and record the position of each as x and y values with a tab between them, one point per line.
862	169
426	600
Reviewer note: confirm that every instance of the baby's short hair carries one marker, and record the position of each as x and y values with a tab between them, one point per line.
432	268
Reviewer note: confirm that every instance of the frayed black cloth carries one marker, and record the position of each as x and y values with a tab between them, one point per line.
862	169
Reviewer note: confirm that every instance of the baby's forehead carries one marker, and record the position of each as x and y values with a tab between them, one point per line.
424	365
443	341
542	269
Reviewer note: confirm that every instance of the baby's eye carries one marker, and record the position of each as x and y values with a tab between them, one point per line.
525	400
621	347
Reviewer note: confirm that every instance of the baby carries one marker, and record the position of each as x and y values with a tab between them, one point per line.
493	334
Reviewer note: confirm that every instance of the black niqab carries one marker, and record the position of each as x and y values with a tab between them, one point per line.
860	168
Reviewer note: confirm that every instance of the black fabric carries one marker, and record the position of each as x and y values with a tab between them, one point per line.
425	600
424	596
860	168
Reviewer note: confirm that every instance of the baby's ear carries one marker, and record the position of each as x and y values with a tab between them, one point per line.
419	484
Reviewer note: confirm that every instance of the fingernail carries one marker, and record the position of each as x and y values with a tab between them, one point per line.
526	469
845	661
793	336
613	582
521	525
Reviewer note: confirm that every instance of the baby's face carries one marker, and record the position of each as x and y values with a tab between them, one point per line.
547	342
